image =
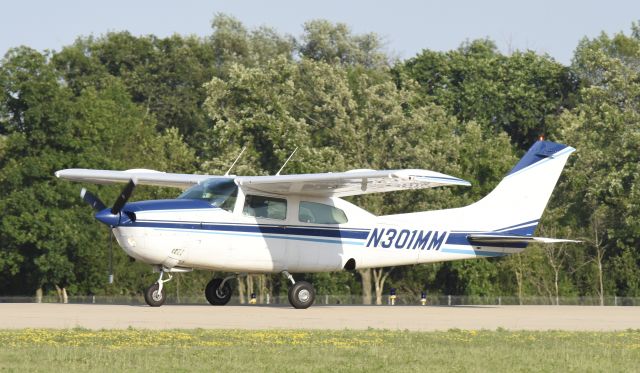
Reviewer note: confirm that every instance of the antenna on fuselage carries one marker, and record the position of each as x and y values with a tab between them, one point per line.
287	161
234	162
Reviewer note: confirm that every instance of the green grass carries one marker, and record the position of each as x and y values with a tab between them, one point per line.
301	350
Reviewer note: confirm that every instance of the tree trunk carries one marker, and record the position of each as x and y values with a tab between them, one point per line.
261	288
365	276
598	244
59	292
65	297
250	289
39	295
241	289
556	287
379	280
600	279
519	281
555	256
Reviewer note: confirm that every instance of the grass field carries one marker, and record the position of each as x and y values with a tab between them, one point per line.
292	350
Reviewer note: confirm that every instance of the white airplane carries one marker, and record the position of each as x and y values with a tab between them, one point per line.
298	223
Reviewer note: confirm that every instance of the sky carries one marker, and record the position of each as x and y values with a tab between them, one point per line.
407	26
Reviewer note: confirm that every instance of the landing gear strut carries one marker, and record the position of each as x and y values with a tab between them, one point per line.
154	296
218	291
301	293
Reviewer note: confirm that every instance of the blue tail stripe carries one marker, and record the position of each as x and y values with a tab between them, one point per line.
539	151
517	225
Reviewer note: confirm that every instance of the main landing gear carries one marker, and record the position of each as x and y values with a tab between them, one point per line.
301	293
218	291
154	296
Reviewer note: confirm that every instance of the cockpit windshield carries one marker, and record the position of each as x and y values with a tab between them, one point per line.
220	193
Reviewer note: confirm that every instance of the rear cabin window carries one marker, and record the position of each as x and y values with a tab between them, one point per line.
265	207
319	213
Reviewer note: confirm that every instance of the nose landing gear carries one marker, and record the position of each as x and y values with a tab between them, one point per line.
154	296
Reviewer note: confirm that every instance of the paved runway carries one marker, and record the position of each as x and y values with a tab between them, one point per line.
93	316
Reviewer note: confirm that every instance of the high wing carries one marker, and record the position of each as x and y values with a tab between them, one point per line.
350	183
507	239
142	177
337	184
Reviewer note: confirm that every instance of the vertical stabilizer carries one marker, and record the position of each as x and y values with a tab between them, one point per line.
516	204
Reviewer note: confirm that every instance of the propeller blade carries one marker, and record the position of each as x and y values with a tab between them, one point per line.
92	200
123	197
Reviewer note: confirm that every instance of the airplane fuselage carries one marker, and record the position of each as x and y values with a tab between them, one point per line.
186	233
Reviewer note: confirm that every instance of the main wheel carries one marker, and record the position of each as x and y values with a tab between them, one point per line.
216	295
153	297
301	295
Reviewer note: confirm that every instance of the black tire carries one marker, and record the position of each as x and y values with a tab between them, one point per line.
152	297
302	295
216	295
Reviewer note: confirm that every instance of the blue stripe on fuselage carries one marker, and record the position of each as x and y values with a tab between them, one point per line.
403	238
263	229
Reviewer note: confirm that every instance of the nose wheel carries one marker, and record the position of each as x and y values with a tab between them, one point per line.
155	295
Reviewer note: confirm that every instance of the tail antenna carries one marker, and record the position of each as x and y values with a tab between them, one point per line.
287	161
234	162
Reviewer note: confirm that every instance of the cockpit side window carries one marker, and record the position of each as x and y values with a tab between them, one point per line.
265	207
220	193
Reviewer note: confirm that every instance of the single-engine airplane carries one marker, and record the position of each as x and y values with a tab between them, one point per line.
298	223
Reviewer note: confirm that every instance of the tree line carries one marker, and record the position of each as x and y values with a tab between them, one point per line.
189	104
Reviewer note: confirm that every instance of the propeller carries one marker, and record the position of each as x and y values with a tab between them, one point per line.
123	197
113	216
110	217
92	200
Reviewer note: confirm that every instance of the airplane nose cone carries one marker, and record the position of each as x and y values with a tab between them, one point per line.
106	217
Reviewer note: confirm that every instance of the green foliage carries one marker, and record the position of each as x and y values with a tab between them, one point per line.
48	127
334	43
517	94
602	186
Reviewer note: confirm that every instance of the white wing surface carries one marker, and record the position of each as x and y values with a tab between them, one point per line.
337	184
142	177
350	183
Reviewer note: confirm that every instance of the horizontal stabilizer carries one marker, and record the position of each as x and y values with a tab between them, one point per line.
492	238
